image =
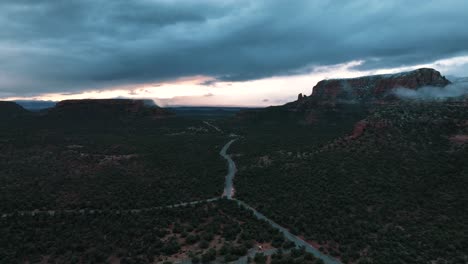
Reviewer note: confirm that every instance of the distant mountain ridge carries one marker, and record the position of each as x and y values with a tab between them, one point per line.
372	89
35	105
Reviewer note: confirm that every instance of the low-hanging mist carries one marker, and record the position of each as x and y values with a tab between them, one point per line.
430	93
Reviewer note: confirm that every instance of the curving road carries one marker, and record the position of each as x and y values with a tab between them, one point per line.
228	185
229	193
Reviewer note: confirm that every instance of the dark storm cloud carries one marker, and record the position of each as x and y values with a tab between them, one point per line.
67	46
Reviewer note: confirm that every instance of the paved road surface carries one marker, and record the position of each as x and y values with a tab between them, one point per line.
228	185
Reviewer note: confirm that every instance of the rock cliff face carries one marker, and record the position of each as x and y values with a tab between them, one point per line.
92	108
341	100
372	89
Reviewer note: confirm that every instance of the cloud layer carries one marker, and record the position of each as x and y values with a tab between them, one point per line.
67	46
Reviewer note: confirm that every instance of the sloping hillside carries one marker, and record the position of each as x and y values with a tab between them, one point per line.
11	110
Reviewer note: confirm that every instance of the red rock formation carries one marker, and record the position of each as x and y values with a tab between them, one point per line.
375	88
109	107
358	129
127	104
362	125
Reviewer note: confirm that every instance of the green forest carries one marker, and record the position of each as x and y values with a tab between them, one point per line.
50	164
219	230
391	191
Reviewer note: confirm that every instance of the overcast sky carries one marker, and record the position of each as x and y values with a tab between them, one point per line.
220	52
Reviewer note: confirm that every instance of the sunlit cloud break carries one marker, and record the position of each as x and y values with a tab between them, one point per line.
242	52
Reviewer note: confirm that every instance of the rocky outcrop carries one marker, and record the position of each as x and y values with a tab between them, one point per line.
301	97
91	108
376	88
347	99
